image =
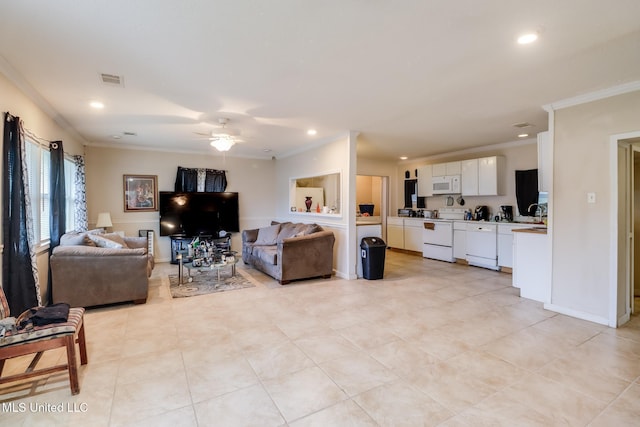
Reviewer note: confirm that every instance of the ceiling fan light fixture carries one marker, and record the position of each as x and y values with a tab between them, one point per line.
223	143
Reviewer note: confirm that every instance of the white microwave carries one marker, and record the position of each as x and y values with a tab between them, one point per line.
447	184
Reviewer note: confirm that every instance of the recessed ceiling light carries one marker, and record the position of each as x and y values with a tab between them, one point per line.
403	158
312	132
116	137
523	135
97	105
527	38
266	150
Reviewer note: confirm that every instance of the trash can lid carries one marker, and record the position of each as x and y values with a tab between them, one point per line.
372	241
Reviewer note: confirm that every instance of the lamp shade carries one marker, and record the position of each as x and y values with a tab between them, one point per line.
104	220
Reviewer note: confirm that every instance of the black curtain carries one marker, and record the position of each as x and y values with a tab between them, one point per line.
215	181
526	190
57	202
186	180
18	279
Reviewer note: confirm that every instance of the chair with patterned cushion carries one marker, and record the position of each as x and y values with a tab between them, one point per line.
38	339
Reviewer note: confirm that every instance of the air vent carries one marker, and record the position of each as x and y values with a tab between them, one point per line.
129	134
112	79
522	125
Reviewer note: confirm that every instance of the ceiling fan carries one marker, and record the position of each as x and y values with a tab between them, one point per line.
222	139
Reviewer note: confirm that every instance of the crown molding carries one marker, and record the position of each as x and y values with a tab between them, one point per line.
31	93
472	150
593	96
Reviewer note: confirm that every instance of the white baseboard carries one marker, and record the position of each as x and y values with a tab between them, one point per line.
577	314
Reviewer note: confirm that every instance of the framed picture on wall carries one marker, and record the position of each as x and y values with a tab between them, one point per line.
140	193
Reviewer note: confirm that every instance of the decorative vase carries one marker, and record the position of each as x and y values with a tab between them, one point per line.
308	203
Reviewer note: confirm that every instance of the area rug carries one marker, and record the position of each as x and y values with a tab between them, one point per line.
206	282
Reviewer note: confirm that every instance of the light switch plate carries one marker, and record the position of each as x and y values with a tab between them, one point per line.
591	197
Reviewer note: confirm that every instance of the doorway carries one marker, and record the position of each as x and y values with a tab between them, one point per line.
625	283
374	190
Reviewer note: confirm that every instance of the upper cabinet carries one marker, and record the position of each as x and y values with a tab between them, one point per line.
442	169
545	159
469	177
483	177
425	188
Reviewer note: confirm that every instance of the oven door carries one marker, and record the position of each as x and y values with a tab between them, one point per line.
438	233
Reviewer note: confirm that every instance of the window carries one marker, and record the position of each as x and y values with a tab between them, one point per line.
70	190
38	163
38	171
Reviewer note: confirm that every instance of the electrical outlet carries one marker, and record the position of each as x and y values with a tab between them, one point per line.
591	197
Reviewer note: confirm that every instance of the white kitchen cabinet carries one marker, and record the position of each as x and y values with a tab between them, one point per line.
459	240
469	177
395	232
505	243
449	168
491	176
545	161
530	267
439	169
413	234
425	189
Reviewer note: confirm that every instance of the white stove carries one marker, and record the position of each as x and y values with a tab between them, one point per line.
437	236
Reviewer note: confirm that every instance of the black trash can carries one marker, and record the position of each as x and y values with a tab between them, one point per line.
372	251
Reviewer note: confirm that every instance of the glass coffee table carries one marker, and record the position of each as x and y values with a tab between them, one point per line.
230	259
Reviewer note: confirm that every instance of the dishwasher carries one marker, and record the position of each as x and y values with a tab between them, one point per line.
482	245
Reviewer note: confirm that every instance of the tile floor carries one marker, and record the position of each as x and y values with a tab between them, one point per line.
431	344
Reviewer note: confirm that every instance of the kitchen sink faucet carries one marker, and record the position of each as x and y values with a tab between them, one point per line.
541	208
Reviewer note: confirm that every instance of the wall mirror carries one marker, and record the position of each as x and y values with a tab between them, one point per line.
316	194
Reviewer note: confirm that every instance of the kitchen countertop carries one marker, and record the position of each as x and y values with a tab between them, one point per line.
534	230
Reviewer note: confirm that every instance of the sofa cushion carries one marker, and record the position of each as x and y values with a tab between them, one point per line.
266	254
76	238
116	238
308	229
268	235
287	230
103	242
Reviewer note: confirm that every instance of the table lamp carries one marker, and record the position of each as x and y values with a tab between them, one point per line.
104	220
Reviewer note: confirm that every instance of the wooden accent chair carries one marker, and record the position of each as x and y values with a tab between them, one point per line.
41	338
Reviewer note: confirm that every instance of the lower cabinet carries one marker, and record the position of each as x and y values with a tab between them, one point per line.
459	240
395	233
413	234
530	266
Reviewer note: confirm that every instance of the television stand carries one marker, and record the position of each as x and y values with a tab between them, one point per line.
180	245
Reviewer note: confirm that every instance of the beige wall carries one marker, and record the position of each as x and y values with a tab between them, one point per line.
521	155
383	168
253	179
581	231
369	191
331	157
14	101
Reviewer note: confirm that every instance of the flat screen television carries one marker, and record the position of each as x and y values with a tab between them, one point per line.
197	214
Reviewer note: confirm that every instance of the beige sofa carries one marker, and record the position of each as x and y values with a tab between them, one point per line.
289	251
90	269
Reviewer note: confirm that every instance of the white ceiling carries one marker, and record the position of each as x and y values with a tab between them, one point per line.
415	77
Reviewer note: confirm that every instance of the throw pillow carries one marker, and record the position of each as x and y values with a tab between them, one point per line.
268	235
75	238
287	230
116	238
103	242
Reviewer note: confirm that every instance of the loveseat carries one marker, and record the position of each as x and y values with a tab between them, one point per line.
90	269
289	251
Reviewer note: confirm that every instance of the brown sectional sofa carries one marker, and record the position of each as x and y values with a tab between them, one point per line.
85	274
289	251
